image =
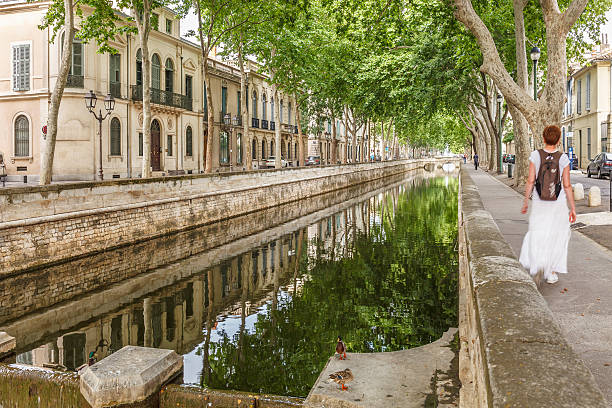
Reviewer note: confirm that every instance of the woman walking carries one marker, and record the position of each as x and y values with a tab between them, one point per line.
545	244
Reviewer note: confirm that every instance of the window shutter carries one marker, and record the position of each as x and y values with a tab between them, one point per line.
21	67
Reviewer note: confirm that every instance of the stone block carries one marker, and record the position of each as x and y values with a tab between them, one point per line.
130	375
578	191
7	343
594	197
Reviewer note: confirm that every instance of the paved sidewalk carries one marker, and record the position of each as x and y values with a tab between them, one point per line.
584	311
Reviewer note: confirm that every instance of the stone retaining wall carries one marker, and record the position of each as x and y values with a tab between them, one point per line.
513	353
48	224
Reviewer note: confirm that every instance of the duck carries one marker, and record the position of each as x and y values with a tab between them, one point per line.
341	348
342	377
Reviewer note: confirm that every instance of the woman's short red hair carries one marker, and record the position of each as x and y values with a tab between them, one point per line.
552	134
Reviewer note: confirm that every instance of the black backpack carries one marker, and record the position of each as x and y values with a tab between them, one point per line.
548	182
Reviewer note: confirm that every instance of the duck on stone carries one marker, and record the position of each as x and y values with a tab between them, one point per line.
341	348
342	377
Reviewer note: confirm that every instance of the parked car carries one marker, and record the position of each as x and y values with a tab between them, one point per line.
574	163
271	162
600	165
313	160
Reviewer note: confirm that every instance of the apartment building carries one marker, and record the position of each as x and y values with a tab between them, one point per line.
179	133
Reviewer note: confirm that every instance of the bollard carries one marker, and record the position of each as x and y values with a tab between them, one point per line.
594	197
578	191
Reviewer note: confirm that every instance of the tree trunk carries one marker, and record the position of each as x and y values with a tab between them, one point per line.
246	138
144	28
46	171
277	131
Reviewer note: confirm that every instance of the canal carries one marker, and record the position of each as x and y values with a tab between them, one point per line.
376	265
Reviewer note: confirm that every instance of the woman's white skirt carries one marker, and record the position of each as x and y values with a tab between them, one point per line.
545	244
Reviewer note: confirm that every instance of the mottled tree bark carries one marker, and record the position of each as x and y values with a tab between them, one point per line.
246	138
144	28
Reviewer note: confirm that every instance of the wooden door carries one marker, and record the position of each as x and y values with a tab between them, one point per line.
155	146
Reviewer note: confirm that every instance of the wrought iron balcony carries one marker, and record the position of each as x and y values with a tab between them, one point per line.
295	129
115	89
161	97
74	81
255	123
272	125
264	124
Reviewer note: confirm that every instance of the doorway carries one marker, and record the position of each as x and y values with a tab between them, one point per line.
155	145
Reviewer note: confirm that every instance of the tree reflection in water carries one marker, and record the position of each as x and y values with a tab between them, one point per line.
387	285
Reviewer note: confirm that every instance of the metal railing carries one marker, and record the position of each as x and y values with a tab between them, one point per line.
272	125
162	97
115	89
264	124
75	81
255	122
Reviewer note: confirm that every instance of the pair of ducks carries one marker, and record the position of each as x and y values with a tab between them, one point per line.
345	376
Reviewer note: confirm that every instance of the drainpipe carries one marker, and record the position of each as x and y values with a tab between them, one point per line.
129	140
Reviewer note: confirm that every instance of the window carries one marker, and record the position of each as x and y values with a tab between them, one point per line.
22	136
588	92
289	113
296	151
169	145
604	137
169	26
223	148
239	147
189	142
329	126
255	104
115	75
223	101
579	98
115	137
239	108
140	148
155	21
155	72
589	143
21	67
139	67
205	102
263	149
264	107
76	66
272	151
280	116
169	75
272	113
254	149
189	86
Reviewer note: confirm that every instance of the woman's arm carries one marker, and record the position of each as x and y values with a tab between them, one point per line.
569	193
529	187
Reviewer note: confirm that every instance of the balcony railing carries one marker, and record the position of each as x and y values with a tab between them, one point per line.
264	124
115	89
161	97
295	129
272	125
74	81
255	123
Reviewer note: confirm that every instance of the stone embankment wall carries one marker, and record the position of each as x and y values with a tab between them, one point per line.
44	225
513	353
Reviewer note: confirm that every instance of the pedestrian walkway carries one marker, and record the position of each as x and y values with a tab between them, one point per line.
584	311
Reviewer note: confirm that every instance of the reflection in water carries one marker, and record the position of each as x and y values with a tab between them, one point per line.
381	273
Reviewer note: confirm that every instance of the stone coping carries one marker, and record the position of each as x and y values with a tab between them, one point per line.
513	347
189	396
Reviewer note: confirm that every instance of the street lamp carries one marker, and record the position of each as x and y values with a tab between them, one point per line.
535	56
109	105
500	169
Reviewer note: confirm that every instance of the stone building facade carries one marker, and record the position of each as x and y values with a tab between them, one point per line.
179	130
588	110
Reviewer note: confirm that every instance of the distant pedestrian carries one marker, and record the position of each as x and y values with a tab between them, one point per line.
464	159
544	250
476	161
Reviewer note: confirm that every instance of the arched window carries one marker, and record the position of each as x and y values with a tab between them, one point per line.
189	141
263	150
264	107
296	151
255	104
283	150
22	136
280	116
239	148
223	148
139	67
272	151
169	75
155	72
289	113
115	137
254	149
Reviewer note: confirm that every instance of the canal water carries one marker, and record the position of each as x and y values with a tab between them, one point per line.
262	313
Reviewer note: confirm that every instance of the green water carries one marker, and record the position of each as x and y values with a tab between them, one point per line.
389	286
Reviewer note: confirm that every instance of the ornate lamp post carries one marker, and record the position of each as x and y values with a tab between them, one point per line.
500	169
535	56
109	105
